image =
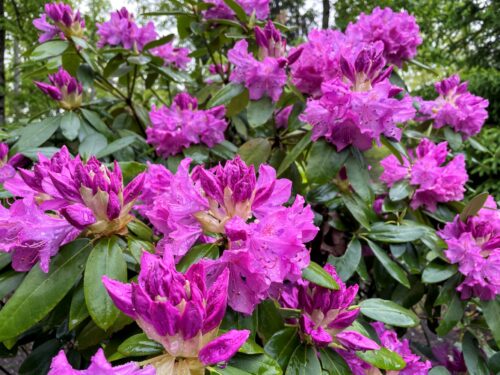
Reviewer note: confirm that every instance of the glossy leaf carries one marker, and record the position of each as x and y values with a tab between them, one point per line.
390	233
115	146
282	345
78	309
255	152
451	317
294	153
332	363
317	275
259	112
49	49
140	346
388	312
396	272
474	205
324	162
198	252
400	190
304	361
383	359
491	312
436	272
37	133
70	125
346	264
9	281
474	359
256	364
224	95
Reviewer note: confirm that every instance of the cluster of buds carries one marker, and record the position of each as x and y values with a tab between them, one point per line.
183	312
65	22
64	88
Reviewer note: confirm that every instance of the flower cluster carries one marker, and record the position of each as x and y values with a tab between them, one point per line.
183	124
474	244
456	107
450	357
433	181
122	30
82	197
176	56
398	31
183	312
266	239
360	105
326	314
265	76
64	88
220	10
65	22
99	365
8	165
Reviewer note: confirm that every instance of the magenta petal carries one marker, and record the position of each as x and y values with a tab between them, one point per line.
134	189
216	302
356	341
223	347
121	294
78	215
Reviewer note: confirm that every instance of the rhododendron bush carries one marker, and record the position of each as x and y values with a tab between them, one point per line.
215	200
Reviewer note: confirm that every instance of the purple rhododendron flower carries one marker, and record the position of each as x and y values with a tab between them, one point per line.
362	106
456	107
221	11
450	357
475	246
183	124
266	77
326	314
65	22
177	56
99	365
434	181
8	165
181	311
398	31
30	235
122	30
64	88
281	118
88	195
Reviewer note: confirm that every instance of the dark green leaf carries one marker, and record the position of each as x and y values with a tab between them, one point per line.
206	250
400	190
388	312
357	174
115	146
269	320
9	281
473	357
131	169
304	361
4	260
436	272
317	275
40	292
451	317
36	133
346	264
255	151
358	208
224	95
282	345
92	145
49	49
237	104
141	230
78	309
294	153
197	153
259	112
237	9
390	233
333	363
473	207
383	359
256	364
95	120
38	361
439	370
454	139
491	312
70	125
159	42
494	363
396	272
140	346
107	259
324	162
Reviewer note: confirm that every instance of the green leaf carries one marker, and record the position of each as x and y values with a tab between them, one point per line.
49	49
141	230
333	363
383	359
78	309
439	370
225	94
36	133
251	347
473	357
107	259
9	281
70	125
473	207
436	272
131	169
388	312
255	152
491	312
140	346
259	112
197	153
206	250
317	275
269	320
357	174
304	361
5	259
139	60
256	364
294	153
282	345
451	317
159	42
95	120
38	361
358	208
237	9
324	162
92	145
494	363
117	145
346	264
237	104
396	272
136	248
390	233
40	292
454	139
400	190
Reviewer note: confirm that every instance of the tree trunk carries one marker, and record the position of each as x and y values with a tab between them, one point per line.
2	66
326	14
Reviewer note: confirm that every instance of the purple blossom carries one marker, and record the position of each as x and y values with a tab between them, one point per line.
122	30
433	180
8	165
450	357
266	77
398	31
456	107
64	88
177	56
221	11
362	106
281	118
183	124
270	41
30	235
326	314
88	195
181	311
475	246
98	365
64	22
